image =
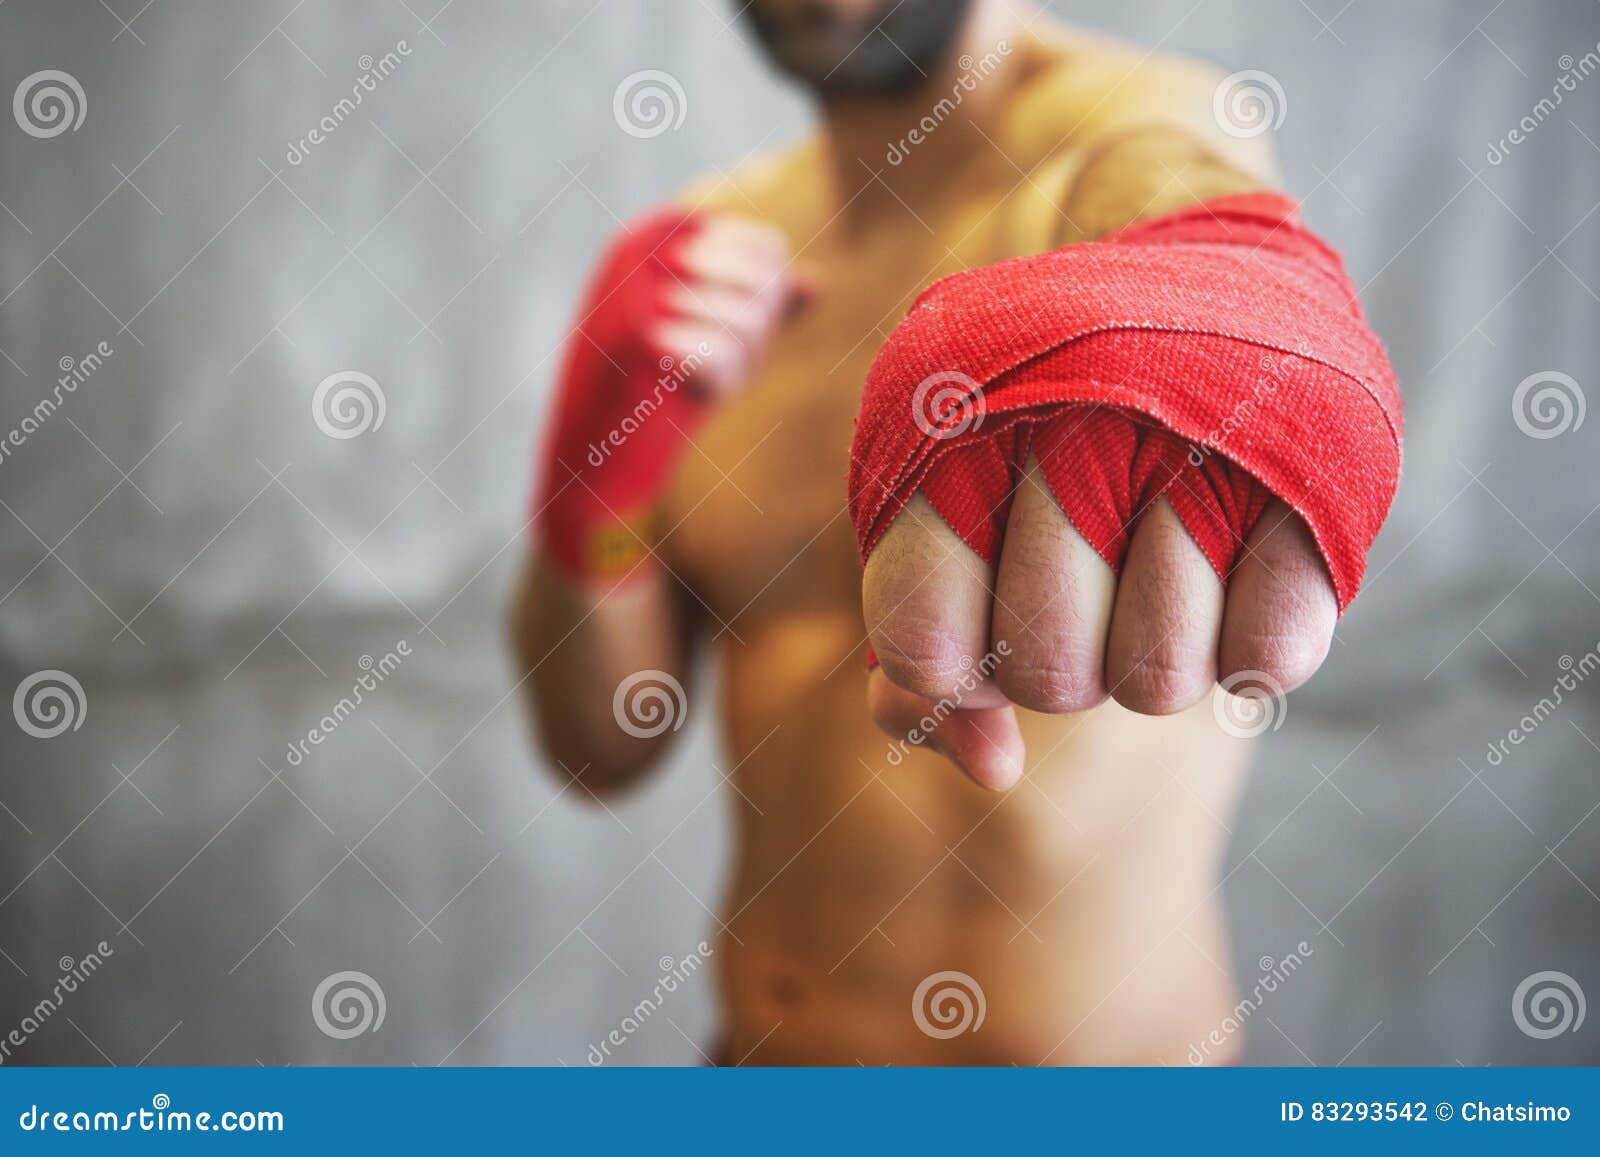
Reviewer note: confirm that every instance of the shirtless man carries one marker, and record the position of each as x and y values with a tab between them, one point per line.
1071	872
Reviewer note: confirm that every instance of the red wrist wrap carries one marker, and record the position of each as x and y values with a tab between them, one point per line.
621	414
1216	356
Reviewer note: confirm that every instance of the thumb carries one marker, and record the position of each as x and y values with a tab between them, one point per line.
985	743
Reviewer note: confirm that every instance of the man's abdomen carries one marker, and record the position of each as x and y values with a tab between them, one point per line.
881	903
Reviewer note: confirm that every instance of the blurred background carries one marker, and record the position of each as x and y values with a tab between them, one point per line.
204	550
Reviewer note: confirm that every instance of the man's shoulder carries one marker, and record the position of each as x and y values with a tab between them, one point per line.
1083	90
1110	131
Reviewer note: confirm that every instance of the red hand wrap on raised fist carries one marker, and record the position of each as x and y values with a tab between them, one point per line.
622	413
1216	356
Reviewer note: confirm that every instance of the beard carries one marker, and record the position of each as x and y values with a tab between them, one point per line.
887	52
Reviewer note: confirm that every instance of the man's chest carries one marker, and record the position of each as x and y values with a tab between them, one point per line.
757	521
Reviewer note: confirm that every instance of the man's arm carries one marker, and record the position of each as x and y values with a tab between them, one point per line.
1133	608
577	644
673	324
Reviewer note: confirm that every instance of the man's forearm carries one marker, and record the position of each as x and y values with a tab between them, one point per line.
576	646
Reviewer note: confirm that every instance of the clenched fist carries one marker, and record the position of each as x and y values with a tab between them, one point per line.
675	321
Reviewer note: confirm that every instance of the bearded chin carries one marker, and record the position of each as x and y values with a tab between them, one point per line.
897	50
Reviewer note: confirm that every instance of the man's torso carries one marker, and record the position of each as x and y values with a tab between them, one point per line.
1079	902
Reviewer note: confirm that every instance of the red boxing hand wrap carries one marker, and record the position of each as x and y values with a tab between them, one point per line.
1215	356
621	418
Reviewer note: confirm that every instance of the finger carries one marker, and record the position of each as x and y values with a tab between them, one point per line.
752	259
735	271
1281	608
1162	652
756	301
925	596
1053	600
721	362
733	261
746	233
985	743
715	305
